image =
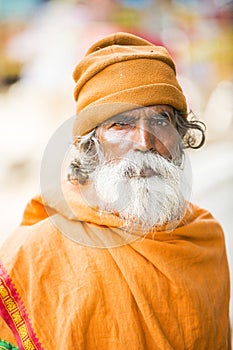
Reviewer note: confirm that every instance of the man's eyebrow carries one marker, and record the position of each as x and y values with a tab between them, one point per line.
162	114
123	117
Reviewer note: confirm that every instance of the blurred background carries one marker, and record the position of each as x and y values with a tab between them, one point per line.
40	44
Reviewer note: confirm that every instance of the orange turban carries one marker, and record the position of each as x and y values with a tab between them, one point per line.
119	71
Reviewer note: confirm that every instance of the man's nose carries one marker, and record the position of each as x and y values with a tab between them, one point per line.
143	139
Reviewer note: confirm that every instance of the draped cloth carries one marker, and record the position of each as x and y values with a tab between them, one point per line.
166	290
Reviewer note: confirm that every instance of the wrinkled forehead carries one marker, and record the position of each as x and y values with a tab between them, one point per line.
145	112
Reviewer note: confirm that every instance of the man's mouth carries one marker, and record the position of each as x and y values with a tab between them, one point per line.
147	172
131	172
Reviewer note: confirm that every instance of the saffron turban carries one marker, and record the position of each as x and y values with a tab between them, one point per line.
121	72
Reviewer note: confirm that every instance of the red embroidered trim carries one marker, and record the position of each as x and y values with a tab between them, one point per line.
13	312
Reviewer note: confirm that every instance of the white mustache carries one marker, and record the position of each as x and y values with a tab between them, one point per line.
141	165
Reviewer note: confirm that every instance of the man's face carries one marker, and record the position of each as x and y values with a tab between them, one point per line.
143	129
139	177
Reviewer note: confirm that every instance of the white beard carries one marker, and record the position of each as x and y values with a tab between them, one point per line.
144	201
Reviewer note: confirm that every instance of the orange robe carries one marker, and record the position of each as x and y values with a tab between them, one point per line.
167	290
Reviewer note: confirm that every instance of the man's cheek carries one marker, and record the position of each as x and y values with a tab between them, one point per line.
170	146
116	148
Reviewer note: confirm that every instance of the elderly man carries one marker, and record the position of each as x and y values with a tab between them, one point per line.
117	257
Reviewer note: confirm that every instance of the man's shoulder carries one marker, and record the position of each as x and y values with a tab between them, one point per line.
26	241
201	224
34	233
203	215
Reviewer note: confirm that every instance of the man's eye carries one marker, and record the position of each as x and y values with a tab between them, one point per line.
160	122
121	125
163	122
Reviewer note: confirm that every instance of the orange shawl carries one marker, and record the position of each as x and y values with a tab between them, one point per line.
165	291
